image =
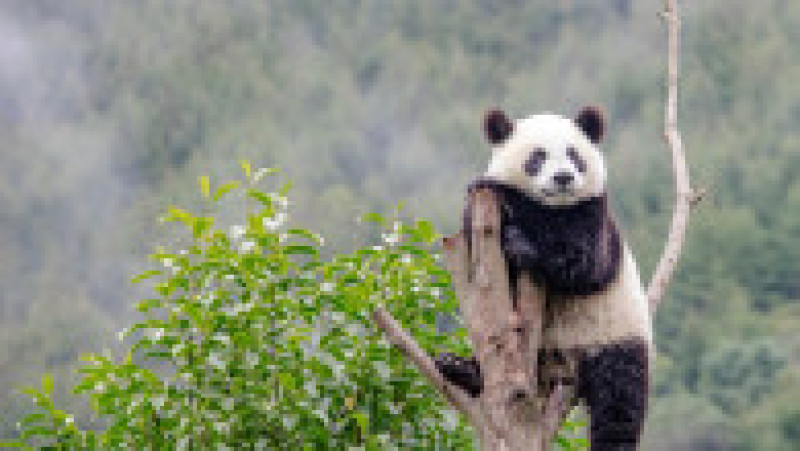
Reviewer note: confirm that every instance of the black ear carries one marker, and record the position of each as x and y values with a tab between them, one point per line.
497	126
590	120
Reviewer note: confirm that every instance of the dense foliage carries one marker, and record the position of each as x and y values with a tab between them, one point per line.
110	110
252	340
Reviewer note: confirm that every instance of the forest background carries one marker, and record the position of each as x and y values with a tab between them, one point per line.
109	111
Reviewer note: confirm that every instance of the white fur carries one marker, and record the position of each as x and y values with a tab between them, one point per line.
553	134
619	312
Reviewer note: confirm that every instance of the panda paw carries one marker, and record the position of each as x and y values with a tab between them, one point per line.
462	372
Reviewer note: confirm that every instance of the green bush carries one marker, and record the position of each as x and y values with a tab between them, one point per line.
252	339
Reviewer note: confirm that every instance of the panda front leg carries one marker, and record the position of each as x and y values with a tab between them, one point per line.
613	383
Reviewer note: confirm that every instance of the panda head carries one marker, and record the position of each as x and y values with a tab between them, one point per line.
553	159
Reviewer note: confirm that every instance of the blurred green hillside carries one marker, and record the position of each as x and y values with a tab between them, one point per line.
109	110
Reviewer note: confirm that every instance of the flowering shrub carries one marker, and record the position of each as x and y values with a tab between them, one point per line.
253	340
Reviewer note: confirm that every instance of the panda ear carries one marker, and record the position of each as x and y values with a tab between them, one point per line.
590	120
497	126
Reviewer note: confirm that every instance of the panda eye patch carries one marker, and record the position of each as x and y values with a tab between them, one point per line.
534	162
580	163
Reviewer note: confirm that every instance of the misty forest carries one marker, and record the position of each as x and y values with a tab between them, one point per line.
111	111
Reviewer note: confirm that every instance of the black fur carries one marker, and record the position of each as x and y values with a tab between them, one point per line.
614	385
463	372
573	250
590	120
497	126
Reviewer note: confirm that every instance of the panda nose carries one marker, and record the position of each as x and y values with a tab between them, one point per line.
563	179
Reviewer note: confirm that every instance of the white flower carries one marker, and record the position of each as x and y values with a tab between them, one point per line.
222	338
382	368
247	246
260	173
167	262
327	287
311	388
215	361
450	420
282	201
221	427
237	231
158	402
289	421
272	223
69	419
251	358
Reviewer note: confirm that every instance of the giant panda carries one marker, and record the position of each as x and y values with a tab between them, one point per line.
556	225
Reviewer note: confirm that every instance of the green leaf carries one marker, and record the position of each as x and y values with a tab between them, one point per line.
34	418
298	249
305	234
363	422
200	225
148	304
145	275
37	431
373	217
180	215
225	189
47	384
204	185
260	197
426	230
246	167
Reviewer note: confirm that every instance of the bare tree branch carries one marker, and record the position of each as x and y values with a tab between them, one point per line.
400	338
686	197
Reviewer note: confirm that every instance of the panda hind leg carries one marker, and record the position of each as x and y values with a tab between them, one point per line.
613	383
463	372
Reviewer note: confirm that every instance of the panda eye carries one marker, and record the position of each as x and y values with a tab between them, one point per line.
580	163
534	162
